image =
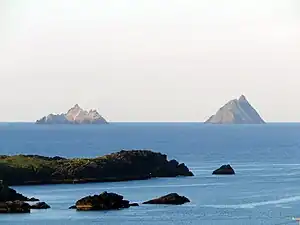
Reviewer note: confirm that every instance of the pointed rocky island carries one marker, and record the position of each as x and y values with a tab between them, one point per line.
237	111
75	115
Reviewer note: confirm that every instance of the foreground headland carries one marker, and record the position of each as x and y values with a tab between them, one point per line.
120	166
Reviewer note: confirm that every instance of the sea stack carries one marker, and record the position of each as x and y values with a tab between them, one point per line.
75	115
237	111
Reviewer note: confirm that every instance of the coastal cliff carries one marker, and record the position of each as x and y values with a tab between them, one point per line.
120	166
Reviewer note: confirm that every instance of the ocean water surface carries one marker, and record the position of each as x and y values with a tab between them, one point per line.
265	190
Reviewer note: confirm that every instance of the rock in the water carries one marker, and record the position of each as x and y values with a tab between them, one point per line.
40	205
134	205
73	207
75	115
224	170
33	200
120	166
170	199
9	194
237	111
14	207
104	201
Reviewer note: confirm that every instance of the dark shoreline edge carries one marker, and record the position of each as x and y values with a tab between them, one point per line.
20	170
83	181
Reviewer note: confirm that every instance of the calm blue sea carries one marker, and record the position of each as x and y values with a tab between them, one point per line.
265	190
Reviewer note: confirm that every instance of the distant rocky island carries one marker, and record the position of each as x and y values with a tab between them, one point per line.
237	111
120	166
75	115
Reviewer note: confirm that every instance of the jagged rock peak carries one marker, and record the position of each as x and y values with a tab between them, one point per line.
243	98
75	115
76	107
236	111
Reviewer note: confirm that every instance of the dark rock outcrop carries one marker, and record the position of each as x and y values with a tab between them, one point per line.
9	194
40	205
75	115
32	200
237	111
14	207
120	166
134	205
170	199
104	201
224	170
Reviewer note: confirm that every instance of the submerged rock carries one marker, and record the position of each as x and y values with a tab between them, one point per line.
40	205
104	201
224	170
170	199
14	207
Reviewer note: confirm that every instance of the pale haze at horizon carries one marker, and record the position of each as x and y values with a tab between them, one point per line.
137	60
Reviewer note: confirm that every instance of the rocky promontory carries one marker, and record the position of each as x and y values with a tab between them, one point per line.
9	194
237	111
120	166
75	115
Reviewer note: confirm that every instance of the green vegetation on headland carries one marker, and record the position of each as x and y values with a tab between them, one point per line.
120	166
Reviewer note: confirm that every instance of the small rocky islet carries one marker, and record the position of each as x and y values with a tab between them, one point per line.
170	199
113	201
104	201
40	205
224	170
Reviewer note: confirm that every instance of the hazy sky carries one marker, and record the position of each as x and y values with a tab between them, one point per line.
149	60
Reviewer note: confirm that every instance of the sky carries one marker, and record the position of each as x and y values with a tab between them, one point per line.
141	60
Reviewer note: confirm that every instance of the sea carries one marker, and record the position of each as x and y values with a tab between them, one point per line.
265	189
